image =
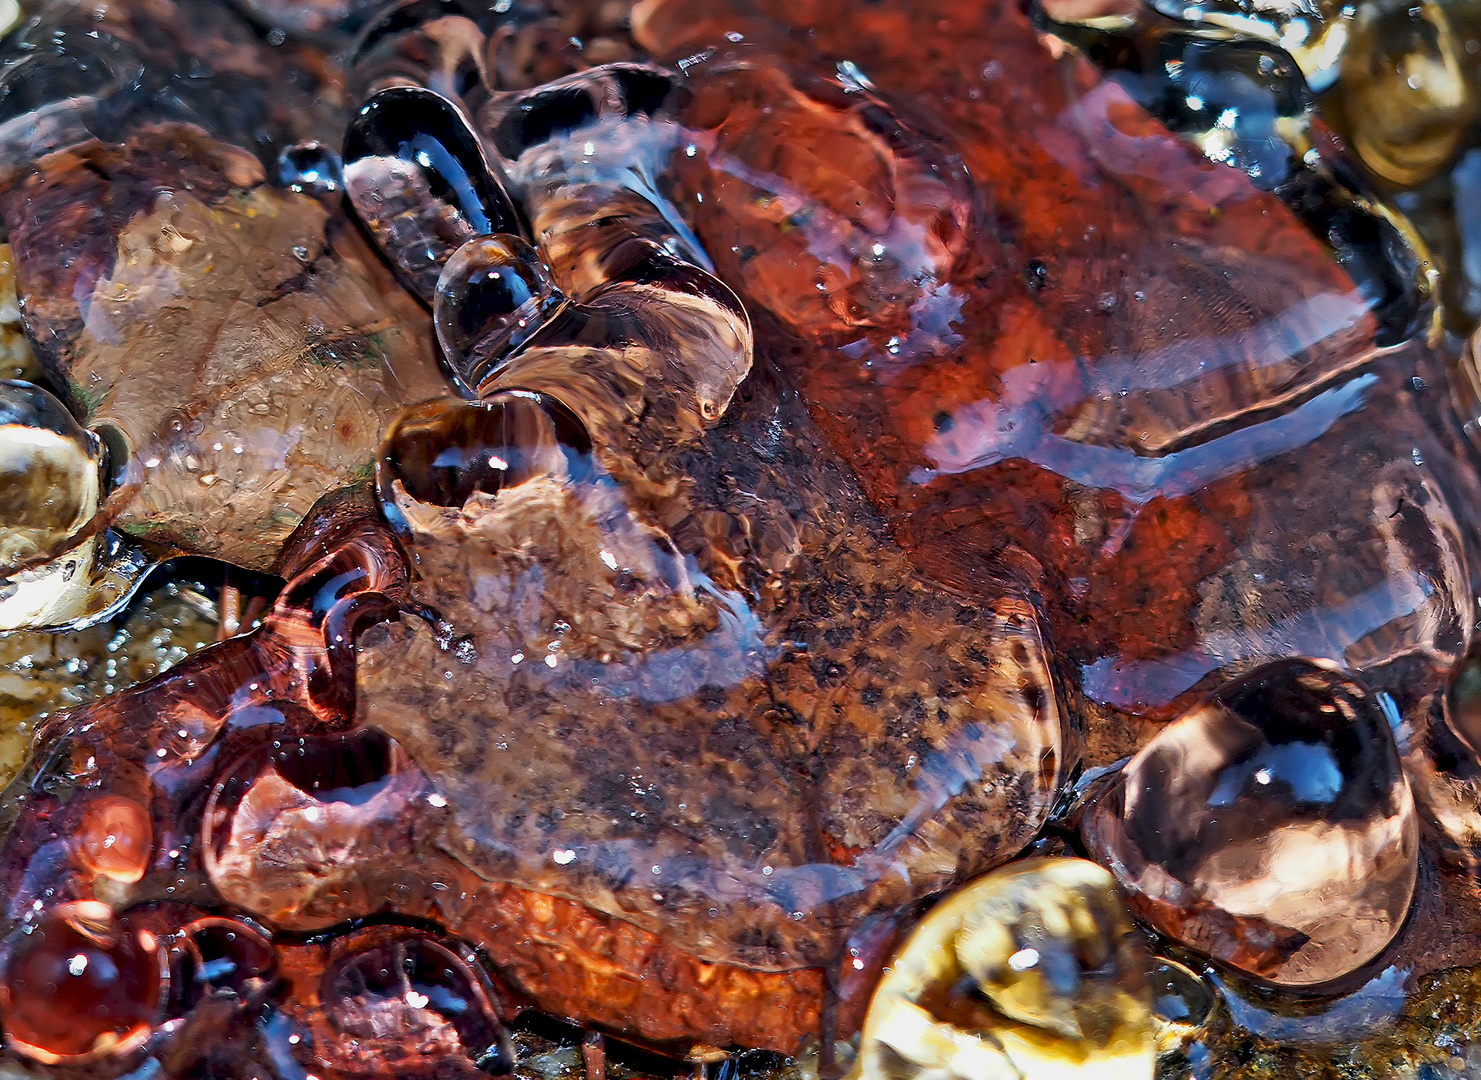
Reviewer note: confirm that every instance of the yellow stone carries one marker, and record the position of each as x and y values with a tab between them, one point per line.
1404	92
1061	980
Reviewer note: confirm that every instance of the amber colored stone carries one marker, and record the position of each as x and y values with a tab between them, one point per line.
115	839
1034	971
79	986
1270	827
1408	100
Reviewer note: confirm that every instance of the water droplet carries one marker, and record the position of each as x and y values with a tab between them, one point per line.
51	468
493	294
114	839
1299	879
80	986
401	995
441	452
416	175
310	167
1180	998
227	953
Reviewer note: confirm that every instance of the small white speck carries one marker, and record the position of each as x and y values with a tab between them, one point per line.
690	150
657	869
564	857
174	853
858	964
877	250
152	463
1263	776
589	149
610	560
496	462
517	658
294	1040
1024	959
78	964
436	800
767	871
1194	102
550	661
416	1000
161	752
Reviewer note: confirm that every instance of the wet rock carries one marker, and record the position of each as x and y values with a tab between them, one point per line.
588	644
1033	971
181	303
466	49
311	16
115	839
1271	827
106	73
995	452
1100	14
781	655
242	342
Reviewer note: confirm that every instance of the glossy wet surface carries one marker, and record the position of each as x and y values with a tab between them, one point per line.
860	426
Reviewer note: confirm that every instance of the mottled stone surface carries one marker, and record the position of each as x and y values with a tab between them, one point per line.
913	416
